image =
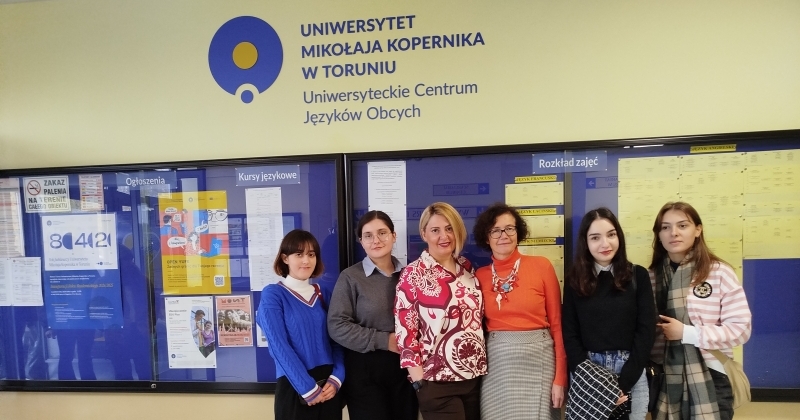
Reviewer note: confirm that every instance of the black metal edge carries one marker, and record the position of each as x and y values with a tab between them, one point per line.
344	169
139	386
758	394
341	207
556	146
349	233
775	394
178	164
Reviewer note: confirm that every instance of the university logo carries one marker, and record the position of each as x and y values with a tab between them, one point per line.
245	57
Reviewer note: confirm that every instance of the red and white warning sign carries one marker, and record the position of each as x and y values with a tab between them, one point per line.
47	194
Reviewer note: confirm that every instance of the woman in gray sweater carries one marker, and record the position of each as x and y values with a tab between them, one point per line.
361	319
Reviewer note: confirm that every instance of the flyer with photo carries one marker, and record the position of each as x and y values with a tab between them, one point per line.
191	341
234	321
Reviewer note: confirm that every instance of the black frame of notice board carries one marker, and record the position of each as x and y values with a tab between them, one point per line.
347	243
787	138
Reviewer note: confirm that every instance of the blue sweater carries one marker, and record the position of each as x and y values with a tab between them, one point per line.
298	337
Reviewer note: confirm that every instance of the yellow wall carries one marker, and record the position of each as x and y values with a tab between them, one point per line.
101	82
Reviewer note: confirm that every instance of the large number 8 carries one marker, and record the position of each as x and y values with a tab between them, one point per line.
55	241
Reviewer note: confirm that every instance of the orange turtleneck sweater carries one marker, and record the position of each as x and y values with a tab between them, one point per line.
535	302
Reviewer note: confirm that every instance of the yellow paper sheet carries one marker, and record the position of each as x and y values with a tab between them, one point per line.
771	237
773	179
715	203
722	227
535	194
789	157
639	251
647	168
649	203
545	226
667	186
637	223
713	162
761	205
728	182
729	250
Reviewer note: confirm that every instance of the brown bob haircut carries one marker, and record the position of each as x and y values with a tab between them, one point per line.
296	241
486	220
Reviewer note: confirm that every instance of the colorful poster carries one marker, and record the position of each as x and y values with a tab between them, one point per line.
191	341
194	243
234	321
81	273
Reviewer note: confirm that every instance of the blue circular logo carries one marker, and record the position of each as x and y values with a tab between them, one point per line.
245	57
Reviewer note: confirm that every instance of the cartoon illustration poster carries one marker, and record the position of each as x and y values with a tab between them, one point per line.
190	332
194	242
234	321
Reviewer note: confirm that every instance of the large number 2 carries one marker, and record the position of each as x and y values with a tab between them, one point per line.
102	240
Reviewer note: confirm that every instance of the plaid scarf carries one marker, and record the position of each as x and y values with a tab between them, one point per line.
689	390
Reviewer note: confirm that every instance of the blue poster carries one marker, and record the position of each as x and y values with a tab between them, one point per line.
81	272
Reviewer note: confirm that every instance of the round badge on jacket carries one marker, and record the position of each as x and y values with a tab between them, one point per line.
703	290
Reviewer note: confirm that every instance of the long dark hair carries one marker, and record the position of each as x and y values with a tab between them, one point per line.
702	257
582	277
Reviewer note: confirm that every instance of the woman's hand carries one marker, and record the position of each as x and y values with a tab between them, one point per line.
622	398
557	394
393	344
672	328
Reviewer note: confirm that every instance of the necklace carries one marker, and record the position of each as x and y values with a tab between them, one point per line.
504	285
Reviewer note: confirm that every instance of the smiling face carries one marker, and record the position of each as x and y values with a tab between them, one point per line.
439	236
677	234
377	239
504	245
302	263
603	241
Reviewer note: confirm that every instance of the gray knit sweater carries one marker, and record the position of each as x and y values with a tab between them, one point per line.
360	314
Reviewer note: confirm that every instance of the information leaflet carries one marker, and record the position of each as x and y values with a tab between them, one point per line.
81	273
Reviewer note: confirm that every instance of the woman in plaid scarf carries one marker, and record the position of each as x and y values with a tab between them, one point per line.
702	307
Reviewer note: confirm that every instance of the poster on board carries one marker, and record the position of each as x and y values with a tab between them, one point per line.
234	321
12	242
194	243
81	272
21	281
264	234
191	340
46	194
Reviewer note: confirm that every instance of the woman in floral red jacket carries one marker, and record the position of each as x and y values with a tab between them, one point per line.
438	320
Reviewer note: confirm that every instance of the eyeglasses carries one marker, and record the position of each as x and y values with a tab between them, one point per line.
509	230
382	235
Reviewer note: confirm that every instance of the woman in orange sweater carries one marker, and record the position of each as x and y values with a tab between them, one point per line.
526	358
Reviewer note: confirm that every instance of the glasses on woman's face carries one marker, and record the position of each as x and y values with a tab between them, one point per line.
382	235
509	230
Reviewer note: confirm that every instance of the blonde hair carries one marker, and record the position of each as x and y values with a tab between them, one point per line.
451	214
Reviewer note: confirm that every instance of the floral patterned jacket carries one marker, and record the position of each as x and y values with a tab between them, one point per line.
438	320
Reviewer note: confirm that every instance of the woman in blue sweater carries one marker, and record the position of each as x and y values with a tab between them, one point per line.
292	313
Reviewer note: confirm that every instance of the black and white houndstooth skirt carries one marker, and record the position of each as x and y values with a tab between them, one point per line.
522	367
